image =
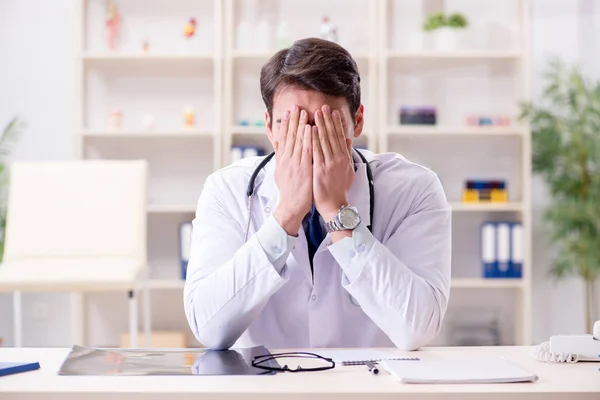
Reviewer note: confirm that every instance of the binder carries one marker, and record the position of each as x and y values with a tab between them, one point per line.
8	368
488	250
250	152
516	251
185	243
236	153
503	246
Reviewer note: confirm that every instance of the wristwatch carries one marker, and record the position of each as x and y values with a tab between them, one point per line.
347	218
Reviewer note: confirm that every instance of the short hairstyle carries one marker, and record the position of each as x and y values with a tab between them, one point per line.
312	64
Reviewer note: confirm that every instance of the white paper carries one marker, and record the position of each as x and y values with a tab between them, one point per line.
483	370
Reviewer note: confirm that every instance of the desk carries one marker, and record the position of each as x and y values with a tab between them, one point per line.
557	381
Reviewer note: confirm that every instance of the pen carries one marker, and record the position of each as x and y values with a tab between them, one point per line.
372	367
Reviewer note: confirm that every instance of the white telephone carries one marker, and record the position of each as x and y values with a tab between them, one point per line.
570	348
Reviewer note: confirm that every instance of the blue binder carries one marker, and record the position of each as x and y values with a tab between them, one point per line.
7	368
503	248
185	243
516	251
489	259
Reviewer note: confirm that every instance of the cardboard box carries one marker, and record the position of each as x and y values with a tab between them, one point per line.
159	339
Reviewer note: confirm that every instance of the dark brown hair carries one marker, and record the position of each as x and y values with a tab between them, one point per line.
312	64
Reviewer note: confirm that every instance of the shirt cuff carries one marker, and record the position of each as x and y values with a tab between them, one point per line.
275	242
351	253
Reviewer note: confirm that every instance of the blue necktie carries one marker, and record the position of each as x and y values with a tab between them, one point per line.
314	234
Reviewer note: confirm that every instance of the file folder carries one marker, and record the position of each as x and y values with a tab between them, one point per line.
503	245
488	250
250	152
516	251
185	243
236	154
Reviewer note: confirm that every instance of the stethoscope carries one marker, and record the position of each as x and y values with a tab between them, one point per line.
265	161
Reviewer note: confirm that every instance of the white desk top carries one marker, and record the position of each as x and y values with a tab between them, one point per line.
556	381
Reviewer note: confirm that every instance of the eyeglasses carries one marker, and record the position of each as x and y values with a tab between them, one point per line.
314	362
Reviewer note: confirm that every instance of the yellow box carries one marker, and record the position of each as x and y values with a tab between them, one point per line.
470	196
159	339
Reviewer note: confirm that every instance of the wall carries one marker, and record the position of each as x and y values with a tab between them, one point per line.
36	82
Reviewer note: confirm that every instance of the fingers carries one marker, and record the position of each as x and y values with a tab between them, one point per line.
297	154
316	146
282	129
340	133
349	147
298	148
292	131
307	145
324	147
332	139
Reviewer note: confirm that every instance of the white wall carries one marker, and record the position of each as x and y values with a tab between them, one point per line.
36	81
36	69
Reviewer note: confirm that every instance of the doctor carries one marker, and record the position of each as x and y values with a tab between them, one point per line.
302	254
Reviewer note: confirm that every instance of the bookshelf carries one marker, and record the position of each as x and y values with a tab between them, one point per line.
220	79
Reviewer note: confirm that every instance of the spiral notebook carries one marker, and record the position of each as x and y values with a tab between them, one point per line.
362	356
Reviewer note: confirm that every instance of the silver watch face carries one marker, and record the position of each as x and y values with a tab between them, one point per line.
349	217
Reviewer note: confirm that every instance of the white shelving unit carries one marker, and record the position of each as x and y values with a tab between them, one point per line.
221	79
411	74
164	79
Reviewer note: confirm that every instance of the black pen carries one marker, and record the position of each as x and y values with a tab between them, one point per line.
372	367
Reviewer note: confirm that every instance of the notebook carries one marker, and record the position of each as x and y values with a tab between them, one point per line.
7	368
481	370
361	356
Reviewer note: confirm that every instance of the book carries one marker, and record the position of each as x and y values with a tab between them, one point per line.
185	244
478	370
9	368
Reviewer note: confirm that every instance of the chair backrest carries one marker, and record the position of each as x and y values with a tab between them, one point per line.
77	209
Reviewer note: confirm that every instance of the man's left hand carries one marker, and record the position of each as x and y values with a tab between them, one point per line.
333	171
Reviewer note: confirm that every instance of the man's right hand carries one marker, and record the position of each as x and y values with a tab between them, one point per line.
294	170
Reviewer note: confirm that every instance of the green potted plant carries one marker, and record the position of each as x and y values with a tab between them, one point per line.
566	153
445	29
9	137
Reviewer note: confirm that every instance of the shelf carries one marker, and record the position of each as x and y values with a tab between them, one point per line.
481	283
472	55
265	55
145	57
176	284
150	134
254	55
248	130
171	208
486	207
433	130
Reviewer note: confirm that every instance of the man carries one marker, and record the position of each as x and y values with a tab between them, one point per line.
311	273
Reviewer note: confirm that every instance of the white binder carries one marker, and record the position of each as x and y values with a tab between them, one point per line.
488	250
503	231
516	251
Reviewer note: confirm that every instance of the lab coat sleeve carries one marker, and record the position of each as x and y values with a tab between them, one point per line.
275	242
403	284
228	281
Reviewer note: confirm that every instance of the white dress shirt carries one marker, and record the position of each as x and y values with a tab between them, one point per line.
386	288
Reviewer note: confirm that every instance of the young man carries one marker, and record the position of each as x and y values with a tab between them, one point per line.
317	261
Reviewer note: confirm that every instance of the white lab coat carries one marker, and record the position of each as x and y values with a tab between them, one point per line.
371	290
